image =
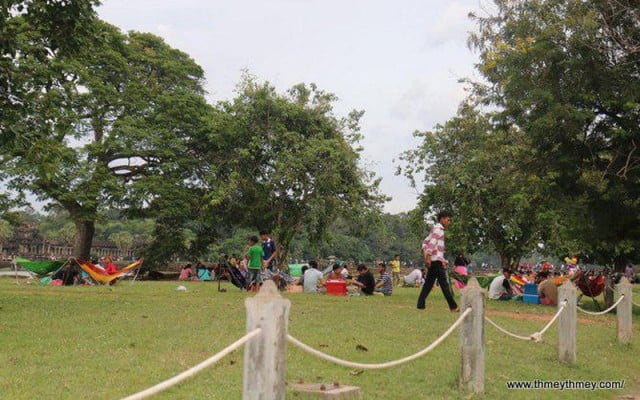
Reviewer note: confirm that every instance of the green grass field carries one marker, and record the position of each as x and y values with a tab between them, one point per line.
110	342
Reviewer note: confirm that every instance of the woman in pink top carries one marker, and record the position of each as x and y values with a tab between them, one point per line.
186	273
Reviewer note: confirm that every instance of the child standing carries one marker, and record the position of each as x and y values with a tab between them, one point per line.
255	255
395	269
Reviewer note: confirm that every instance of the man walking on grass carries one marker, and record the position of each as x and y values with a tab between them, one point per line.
433	253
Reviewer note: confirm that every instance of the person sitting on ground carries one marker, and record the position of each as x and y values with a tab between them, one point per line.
202	272
67	275
414	279
547	290
301	279
241	265
186	273
345	272
336	273
500	288
384	285
312	278
365	280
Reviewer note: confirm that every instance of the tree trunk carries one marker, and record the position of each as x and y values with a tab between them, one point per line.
84	238
608	292
515	263
283	241
619	263
282	259
504	261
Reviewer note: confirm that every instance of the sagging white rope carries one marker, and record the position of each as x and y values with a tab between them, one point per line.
635	304
388	364
602	312
195	369
536	336
506	332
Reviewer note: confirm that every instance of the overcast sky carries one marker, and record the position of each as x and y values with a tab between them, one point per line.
399	61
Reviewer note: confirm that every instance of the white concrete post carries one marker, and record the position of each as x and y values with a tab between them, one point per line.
567	322
624	311
265	360
472	339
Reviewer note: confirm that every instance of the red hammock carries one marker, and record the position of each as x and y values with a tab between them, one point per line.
590	286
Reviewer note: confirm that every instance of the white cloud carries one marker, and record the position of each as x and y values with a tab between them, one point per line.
452	25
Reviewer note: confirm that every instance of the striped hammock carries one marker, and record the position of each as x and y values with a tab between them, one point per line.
101	276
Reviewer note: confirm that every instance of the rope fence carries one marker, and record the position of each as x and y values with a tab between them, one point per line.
536	336
506	332
267	326
195	369
602	312
388	364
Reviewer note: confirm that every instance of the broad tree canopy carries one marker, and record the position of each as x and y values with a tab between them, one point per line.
285	162
89	123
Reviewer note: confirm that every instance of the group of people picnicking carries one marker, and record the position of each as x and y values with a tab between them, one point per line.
361	280
257	264
258	259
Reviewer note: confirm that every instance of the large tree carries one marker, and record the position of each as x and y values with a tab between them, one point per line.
113	126
477	168
284	162
567	73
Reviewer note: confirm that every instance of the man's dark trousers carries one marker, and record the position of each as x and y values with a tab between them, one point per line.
436	271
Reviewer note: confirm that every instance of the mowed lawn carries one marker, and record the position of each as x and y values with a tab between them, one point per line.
110	342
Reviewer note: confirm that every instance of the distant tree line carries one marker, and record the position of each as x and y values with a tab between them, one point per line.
388	237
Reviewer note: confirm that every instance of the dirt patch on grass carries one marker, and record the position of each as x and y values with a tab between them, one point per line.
535	317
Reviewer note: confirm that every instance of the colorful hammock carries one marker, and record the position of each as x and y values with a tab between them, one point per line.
101	276
591	286
559	280
518	280
39	267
